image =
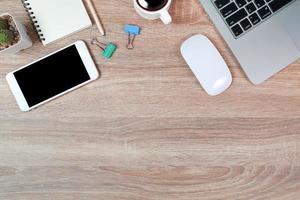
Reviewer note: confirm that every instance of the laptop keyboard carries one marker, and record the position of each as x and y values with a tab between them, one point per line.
243	15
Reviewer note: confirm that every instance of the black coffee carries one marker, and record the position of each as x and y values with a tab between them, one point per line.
152	5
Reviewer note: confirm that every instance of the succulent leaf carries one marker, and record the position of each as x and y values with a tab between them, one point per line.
6	37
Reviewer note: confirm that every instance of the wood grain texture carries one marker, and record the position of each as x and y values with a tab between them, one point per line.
145	129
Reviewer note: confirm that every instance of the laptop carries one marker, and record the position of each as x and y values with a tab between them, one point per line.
264	35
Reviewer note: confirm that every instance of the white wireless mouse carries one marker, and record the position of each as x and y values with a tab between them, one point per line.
207	64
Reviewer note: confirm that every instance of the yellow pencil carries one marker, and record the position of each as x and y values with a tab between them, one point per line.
95	16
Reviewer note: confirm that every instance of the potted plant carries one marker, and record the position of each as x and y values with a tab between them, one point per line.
13	35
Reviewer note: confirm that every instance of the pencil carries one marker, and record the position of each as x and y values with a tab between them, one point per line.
95	16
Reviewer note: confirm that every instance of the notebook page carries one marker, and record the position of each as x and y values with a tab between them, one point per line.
59	18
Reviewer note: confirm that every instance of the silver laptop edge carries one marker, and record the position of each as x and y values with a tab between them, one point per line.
267	48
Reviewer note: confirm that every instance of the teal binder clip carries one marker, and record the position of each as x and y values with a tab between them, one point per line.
107	49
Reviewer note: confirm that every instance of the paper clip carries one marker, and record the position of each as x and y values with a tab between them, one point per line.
132	31
107	49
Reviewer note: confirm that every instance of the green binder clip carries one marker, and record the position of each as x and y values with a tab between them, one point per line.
107	49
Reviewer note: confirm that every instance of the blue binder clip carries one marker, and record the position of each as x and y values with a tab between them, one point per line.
132	31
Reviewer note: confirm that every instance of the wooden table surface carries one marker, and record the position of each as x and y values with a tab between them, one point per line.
146	129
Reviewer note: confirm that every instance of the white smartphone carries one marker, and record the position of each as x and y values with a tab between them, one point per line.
52	76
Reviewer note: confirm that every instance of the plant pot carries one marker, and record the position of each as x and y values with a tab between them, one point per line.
24	41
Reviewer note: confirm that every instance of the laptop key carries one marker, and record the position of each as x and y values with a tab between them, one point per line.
250	8
236	17
259	3
221	3
246	25
229	9
264	12
240	3
254	18
278	4
237	30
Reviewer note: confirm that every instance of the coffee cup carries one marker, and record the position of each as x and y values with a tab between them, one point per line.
154	9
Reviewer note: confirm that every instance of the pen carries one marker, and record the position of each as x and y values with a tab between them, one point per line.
95	16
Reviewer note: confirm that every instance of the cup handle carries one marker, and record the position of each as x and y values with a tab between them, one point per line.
166	17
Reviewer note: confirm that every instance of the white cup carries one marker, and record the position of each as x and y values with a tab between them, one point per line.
162	13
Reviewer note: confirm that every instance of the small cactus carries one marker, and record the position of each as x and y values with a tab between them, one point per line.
3	24
6	37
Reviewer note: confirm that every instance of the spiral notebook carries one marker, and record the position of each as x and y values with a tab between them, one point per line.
55	19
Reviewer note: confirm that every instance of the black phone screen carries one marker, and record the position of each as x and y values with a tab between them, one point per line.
52	76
